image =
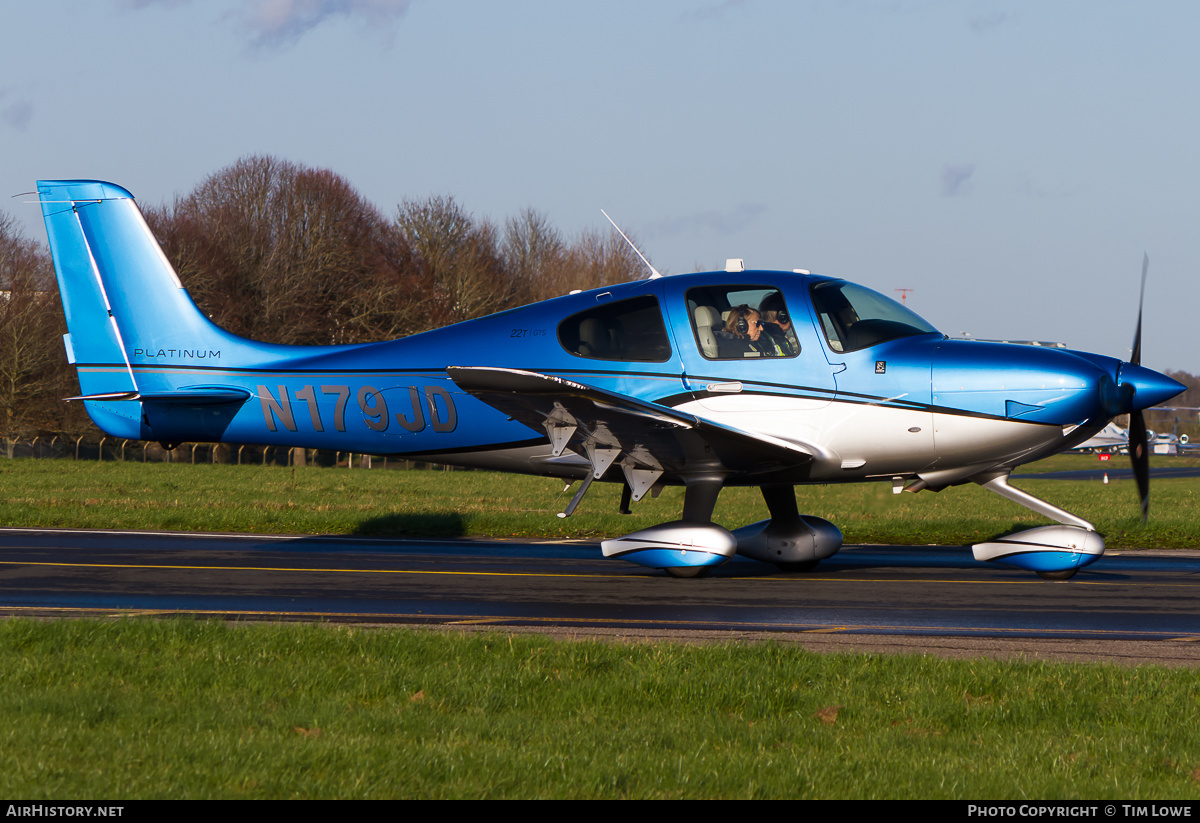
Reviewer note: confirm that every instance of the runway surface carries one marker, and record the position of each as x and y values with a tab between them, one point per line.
1128	606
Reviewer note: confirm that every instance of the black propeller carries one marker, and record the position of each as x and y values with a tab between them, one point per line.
1139	451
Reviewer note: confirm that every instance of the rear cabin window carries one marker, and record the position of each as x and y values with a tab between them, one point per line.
629	330
736	322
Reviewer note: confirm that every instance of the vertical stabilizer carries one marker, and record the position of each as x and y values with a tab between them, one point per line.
122	299
93	337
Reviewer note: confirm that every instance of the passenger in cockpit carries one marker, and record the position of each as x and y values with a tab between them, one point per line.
742	335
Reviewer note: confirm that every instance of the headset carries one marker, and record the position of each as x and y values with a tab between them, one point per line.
743	325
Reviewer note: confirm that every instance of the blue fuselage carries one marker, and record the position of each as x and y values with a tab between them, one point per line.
908	402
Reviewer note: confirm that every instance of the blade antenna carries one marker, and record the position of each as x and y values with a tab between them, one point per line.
653	271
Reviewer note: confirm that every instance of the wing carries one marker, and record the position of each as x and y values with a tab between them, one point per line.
646	440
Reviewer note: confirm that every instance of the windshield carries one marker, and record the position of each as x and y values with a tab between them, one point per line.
854	317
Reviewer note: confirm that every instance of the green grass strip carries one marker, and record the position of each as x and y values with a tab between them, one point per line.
431	503
204	709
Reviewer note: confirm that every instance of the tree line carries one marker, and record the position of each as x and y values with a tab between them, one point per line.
285	253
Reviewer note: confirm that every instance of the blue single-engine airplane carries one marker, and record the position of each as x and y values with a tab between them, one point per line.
728	378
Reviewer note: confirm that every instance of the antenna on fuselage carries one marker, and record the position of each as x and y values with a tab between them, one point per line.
653	271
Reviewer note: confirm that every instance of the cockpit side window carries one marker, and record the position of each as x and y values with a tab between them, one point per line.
853	317
629	330
735	322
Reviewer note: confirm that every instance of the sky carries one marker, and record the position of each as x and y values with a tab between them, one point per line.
1009	162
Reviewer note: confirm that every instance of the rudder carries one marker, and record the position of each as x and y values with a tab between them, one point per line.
93	338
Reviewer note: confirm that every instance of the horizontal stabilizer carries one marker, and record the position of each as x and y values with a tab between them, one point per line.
108	396
195	396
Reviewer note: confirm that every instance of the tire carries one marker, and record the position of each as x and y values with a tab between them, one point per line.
796	568
688	572
1063	575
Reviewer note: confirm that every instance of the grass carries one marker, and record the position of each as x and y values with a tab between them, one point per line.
203	709
311	500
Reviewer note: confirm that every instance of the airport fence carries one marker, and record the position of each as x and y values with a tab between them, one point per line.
71	447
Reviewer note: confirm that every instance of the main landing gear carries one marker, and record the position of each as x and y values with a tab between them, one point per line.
690	547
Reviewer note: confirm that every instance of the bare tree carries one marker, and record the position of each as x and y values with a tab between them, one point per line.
277	251
458	257
602	259
544	265
534	255
31	328
280	252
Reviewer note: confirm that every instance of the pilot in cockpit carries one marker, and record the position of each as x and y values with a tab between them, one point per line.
777	326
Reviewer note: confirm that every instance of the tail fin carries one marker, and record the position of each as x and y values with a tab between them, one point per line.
92	332
122	299
133	333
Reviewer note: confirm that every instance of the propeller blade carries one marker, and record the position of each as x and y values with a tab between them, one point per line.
1136	357
1139	451
1139	454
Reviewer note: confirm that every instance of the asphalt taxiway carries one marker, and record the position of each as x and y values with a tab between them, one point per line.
1133	605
